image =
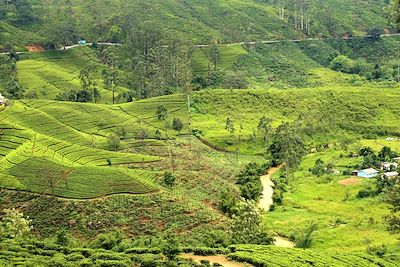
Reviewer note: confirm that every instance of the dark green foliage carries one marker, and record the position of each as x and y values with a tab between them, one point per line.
304	237
162	112
249	181
107	241
227	202
169	179
114	142
393	219
171	248
319	168
386	154
280	187
177	125
235	80
9	85
287	147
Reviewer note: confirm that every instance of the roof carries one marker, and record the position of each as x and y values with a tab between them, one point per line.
369	171
391	174
387	164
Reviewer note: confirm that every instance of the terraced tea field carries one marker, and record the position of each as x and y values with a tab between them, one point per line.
280	257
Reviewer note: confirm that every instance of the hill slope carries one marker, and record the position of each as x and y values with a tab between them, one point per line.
192	20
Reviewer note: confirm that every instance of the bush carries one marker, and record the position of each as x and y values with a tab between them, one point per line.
304	237
169	179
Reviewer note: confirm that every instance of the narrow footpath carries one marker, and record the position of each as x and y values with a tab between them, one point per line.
221	259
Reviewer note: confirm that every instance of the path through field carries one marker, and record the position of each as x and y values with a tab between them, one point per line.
268	190
221	259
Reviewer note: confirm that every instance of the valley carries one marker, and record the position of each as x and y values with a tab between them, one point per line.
149	133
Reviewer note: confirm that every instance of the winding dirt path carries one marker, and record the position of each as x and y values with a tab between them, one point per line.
266	201
221	259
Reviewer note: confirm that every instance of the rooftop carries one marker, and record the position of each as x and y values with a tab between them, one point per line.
369	171
392	174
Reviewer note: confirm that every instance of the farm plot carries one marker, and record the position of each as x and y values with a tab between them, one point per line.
42	123
11	138
82	155
81	182
45	75
279	257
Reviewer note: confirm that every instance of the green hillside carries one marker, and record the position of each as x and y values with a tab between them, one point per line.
47	75
199	22
245	133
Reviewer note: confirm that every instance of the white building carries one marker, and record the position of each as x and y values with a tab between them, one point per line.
2	100
387	166
392	174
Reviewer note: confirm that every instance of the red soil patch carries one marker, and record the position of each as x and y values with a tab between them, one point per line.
35	48
350	181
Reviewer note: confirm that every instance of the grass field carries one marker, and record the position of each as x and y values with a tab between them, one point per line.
345	222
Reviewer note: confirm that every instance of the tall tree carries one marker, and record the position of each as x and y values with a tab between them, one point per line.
88	81
264	126
287	147
394	13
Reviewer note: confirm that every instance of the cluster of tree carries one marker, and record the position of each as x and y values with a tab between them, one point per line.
298	13
361	67
394	13
157	67
372	160
249	180
393	219
18	11
287	147
9	85
320	168
280	188
245	218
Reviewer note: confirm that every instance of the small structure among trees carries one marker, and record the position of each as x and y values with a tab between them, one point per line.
368	173
2	100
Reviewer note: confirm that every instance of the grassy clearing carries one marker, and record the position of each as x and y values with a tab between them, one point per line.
338	110
346	222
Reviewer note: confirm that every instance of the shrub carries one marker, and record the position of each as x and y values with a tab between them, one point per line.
169	179
304	237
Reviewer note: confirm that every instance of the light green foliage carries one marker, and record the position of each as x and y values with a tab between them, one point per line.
13	224
275	256
304	237
246	224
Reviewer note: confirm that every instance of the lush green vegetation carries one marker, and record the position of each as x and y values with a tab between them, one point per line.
273	256
29	21
130	154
